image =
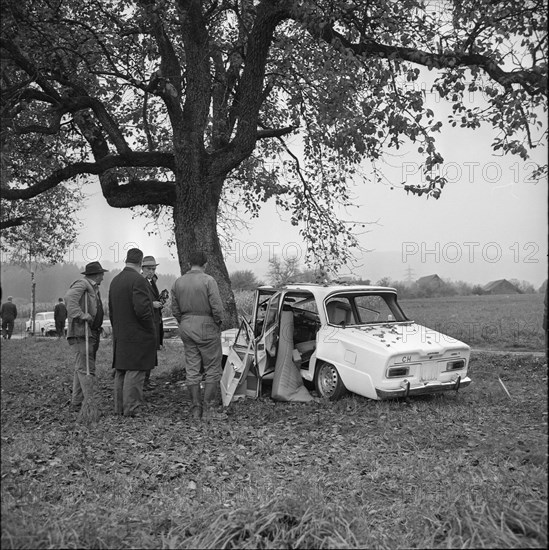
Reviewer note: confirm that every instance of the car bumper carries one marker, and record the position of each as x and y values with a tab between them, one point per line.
407	390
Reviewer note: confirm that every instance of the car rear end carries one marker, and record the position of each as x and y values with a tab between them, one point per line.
421	373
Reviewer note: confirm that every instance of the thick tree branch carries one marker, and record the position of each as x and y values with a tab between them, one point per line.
14	222
168	77
140	193
275	132
133	160
533	82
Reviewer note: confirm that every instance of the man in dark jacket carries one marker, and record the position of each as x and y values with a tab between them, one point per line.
84	305
8	313
133	334
60	316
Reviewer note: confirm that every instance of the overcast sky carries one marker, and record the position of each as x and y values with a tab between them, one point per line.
489	223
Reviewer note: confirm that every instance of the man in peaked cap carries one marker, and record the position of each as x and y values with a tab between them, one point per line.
134	335
84	305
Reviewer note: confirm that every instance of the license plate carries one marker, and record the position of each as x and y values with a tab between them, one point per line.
429	372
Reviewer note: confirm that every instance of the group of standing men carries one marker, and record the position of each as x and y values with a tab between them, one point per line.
135	315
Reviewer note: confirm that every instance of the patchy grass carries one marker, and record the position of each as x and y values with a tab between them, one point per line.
466	470
511	322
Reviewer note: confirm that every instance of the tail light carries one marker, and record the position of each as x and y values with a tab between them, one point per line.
455	365
397	372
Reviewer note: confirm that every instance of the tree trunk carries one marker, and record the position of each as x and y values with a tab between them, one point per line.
195	223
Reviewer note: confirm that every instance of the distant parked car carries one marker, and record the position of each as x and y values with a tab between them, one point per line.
171	328
342	338
44	324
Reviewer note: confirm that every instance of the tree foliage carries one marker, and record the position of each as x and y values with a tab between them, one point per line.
42	228
180	105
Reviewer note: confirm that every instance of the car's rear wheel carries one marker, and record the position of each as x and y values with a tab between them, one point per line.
328	383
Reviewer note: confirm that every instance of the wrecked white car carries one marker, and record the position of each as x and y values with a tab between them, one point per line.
341	338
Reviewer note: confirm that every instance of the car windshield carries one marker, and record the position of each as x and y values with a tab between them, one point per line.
364	308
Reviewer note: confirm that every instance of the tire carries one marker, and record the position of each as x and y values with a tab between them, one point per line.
328	383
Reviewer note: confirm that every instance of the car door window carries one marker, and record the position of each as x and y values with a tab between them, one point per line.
272	310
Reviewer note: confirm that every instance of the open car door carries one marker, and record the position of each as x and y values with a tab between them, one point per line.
239	377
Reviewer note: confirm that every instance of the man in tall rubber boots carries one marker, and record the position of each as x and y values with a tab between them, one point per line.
197	306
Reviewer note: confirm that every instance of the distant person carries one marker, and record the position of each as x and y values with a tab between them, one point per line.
197	306
148	268
84	305
60	316
133	333
8	313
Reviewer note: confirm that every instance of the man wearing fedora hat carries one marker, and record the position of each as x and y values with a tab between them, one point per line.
84	306
133	332
148	269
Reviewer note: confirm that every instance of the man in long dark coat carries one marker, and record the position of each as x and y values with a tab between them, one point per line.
134	334
149	272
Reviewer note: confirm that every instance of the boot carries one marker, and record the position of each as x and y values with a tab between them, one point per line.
212	407
196	401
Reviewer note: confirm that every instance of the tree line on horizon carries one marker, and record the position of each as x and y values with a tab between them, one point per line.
288	270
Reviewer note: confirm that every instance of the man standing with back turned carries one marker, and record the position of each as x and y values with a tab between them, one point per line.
133	334
60	316
197	306
8	312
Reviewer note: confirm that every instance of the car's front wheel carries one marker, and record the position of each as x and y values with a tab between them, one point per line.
328	383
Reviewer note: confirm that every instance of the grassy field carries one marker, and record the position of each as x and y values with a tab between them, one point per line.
512	322
466	470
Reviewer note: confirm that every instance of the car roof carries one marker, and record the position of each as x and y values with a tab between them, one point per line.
321	291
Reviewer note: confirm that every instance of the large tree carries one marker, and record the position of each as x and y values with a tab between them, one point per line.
174	103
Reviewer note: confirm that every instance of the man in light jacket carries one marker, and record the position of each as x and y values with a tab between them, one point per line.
133	334
197	306
84	306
